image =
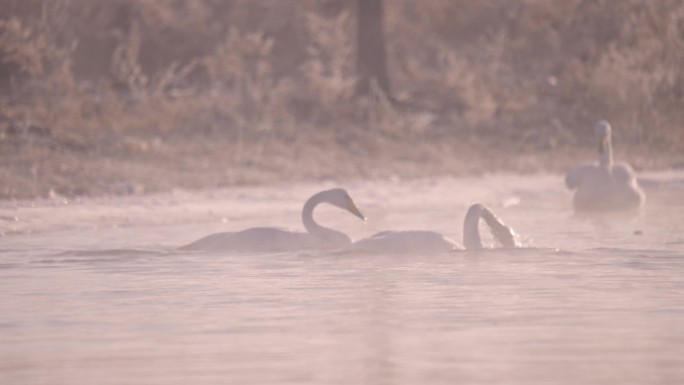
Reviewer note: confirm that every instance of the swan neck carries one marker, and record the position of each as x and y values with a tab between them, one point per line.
310	224
471	228
606	153
503	234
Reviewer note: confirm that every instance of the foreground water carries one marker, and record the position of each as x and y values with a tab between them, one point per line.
93	292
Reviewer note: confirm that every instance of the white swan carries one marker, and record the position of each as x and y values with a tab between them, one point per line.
276	239
402	242
604	186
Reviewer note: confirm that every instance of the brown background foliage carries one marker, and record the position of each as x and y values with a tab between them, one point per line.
124	96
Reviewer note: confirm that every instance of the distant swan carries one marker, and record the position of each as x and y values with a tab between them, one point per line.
606	186
277	239
403	242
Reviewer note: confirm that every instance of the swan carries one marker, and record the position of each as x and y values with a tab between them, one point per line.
403	242
278	239
605	186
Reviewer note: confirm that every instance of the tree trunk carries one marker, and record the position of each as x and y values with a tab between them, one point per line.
371	60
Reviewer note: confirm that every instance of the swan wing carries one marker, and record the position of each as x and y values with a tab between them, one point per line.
209	242
611	189
574	178
406	242
258	239
623	172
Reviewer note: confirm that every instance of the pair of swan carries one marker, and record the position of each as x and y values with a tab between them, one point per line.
317	237
606	186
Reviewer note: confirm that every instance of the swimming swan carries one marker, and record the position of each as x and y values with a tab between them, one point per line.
402	242
277	239
606	186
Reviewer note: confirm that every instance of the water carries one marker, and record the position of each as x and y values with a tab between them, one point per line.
92	291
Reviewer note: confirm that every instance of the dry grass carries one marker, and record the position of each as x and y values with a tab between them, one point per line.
130	96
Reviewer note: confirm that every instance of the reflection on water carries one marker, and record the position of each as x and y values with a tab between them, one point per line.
98	300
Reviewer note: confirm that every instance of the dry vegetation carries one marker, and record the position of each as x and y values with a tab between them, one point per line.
131	96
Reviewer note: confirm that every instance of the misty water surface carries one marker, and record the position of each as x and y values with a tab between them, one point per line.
92	290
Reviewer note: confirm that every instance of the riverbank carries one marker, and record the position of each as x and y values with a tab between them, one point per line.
42	164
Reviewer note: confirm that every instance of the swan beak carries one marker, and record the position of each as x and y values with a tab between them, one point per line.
351	207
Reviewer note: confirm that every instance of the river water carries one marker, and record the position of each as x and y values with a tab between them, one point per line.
93	292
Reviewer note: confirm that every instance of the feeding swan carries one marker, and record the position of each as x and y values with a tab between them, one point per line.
277	239
604	186
429	241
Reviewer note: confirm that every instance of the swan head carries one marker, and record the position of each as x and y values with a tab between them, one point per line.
602	130
340	198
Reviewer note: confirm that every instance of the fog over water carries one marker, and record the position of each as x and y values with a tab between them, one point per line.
129	129
93	290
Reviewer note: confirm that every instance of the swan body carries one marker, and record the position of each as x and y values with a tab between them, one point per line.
262	239
411	242
606	186
406	242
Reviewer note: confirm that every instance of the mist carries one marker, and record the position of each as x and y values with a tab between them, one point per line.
341	192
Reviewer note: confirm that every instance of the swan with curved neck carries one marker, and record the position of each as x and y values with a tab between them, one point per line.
604	186
402	242
277	239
